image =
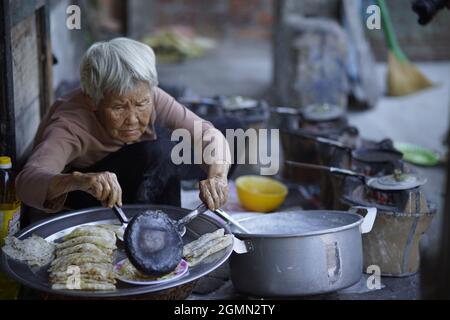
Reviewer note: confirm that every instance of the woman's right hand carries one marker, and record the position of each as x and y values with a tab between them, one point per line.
104	186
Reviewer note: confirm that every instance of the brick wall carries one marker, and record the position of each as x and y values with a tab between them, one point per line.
218	17
254	17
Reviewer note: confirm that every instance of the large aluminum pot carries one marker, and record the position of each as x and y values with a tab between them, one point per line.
300	253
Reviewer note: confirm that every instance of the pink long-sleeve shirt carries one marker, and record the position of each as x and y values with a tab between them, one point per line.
70	136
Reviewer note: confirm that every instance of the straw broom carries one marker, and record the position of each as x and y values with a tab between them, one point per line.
403	77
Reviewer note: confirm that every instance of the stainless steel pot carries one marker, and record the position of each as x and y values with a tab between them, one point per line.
300	253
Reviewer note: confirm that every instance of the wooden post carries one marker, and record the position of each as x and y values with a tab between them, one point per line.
7	117
277	9
45	58
438	283
435	269
140	18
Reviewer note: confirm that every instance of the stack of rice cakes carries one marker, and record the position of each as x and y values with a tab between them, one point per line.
84	260
205	246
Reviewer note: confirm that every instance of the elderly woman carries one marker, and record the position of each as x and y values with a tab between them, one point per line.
99	144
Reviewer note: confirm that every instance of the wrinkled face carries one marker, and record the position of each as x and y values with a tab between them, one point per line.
125	117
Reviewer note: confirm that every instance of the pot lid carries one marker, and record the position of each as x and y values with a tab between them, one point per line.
396	182
322	112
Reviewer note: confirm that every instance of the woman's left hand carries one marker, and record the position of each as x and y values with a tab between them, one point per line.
214	191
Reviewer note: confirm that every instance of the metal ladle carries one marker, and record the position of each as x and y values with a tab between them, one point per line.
390	182
328	169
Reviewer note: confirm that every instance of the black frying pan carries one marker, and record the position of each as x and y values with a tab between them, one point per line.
383	152
377	155
153	242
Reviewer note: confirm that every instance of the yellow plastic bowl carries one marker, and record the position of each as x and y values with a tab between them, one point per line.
260	194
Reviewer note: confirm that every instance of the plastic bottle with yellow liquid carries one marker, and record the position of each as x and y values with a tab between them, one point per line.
9	221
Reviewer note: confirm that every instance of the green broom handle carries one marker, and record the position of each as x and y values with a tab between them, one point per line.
389	33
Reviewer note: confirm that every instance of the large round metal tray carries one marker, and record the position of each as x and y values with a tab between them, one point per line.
54	228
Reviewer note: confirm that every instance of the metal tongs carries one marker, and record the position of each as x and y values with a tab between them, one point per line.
181	224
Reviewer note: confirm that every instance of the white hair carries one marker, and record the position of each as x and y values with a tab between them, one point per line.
116	66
